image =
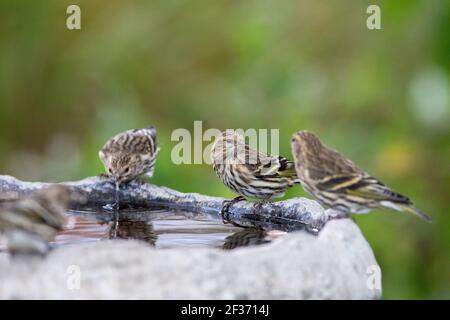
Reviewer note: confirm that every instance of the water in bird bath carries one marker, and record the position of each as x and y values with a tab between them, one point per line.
159	228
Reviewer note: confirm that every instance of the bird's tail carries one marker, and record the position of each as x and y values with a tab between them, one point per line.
417	212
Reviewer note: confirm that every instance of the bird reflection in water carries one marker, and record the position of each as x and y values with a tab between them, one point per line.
250	237
132	229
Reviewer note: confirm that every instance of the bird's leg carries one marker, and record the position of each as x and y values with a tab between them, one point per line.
224	212
337	214
103	176
133	183
257	206
142	179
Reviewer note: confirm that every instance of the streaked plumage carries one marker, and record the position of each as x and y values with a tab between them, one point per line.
130	154
244	238
132	229
251	237
337	182
248	172
31	222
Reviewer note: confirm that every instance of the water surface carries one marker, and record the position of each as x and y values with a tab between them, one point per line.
159	228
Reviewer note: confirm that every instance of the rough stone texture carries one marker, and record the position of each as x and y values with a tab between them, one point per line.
331	265
292	214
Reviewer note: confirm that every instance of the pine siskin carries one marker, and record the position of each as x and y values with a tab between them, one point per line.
130	154
30	223
251	237
336	182
248	172
245	238
132	229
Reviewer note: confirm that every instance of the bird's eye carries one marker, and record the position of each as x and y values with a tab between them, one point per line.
127	169
109	170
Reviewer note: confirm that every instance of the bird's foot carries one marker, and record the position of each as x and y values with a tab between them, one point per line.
224	212
142	179
337	214
257	206
103	176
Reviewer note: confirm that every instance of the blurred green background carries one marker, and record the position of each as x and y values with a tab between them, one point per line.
379	96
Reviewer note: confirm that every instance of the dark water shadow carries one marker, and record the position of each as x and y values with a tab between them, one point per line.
250	237
159	228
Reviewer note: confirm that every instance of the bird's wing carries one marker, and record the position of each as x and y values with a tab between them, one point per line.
338	182
287	167
149	131
11	220
371	188
331	167
278	167
134	141
264	165
113	145
35	211
361	185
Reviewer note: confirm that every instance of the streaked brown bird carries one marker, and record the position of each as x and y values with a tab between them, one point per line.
336	182
251	237
130	155
248	172
31	222
244	238
132	229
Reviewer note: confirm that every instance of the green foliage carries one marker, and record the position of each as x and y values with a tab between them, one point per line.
380	97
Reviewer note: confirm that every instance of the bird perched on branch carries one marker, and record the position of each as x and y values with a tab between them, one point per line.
336	182
248	172
31	222
130	154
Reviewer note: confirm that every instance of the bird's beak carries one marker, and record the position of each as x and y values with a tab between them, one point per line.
118	179
295	138
114	178
296	144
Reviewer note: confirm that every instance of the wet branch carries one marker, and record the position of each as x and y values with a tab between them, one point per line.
96	192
